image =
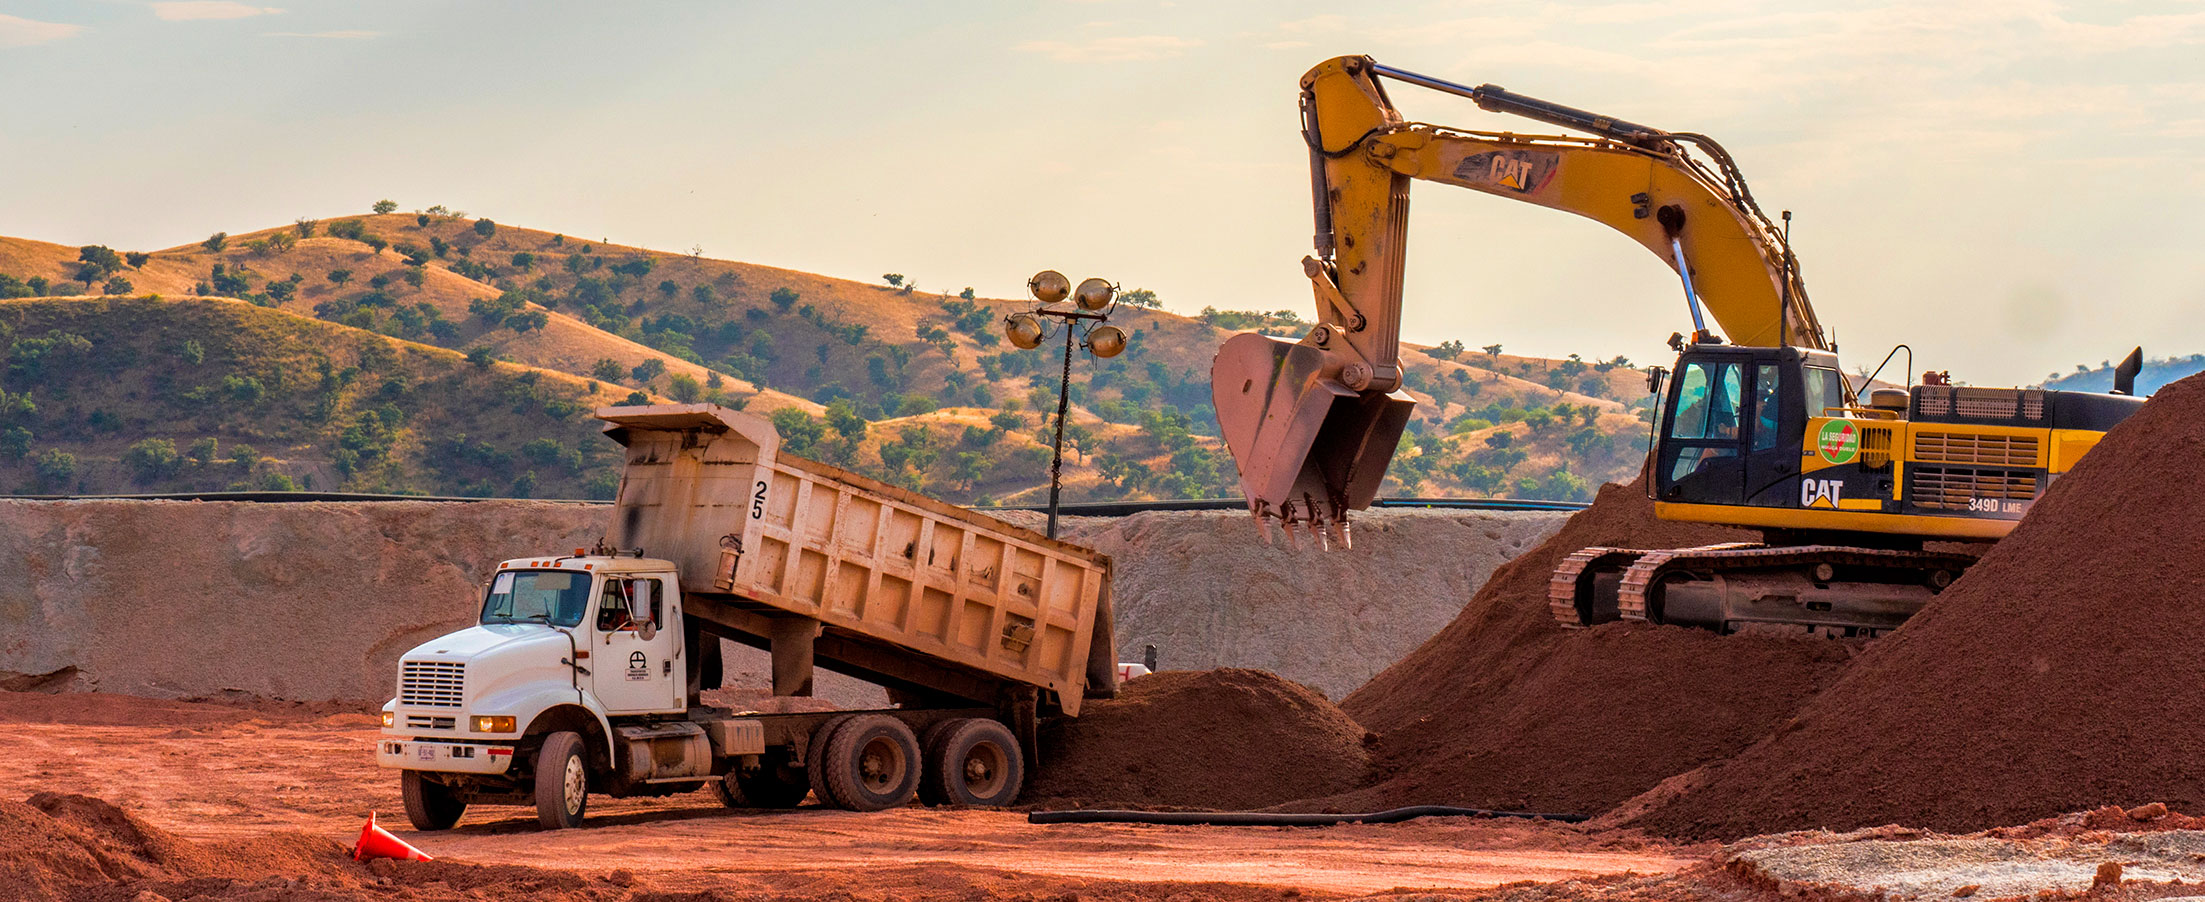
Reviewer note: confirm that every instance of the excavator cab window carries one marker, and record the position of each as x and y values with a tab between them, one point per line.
1825	390
1702	452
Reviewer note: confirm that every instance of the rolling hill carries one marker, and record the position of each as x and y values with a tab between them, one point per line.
910	386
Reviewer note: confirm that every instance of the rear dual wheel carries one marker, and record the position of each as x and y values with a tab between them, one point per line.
871	762
773	785
972	761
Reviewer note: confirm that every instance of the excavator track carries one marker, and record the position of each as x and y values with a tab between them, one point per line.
1832	590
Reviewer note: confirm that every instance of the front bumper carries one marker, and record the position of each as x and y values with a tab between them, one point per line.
444	756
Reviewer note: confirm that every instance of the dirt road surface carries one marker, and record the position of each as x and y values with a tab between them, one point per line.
210	771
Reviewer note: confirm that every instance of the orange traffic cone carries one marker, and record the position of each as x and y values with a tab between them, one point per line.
376	842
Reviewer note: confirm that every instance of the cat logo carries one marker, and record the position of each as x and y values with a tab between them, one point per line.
1813	492
1520	171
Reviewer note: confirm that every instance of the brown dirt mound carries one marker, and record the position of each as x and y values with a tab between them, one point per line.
73	848
2060	674
1227	739
1505	709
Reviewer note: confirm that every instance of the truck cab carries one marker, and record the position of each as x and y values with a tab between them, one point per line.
563	645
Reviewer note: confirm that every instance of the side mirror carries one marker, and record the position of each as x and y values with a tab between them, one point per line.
640	609
1654	377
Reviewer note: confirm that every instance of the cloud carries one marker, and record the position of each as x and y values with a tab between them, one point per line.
20	32
338	35
1113	50
189	10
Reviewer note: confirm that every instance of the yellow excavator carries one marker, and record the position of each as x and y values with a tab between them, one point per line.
1757	428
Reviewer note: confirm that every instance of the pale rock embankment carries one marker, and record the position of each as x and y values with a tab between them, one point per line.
316	600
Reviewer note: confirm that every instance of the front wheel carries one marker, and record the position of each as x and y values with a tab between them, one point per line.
430	805
562	782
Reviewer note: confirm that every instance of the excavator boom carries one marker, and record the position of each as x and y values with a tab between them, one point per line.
1312	424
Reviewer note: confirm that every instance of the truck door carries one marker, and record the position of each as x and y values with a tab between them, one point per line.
633	646
1702	448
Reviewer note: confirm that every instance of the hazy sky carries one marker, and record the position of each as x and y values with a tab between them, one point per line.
2010	186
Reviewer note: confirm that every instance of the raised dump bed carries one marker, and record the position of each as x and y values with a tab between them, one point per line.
914	593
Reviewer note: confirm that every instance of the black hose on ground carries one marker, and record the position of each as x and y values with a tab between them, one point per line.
1277	819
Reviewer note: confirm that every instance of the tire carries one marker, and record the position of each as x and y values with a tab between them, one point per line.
930	749
430	805
872	764
815	757
562	782
771	786
977	762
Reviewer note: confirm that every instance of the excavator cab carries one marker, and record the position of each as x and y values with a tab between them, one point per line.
1734	420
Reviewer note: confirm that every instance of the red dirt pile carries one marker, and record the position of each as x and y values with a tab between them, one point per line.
73	848
1505	709
1224	739
2061	673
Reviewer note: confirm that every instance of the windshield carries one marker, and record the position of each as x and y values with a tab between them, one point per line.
556	597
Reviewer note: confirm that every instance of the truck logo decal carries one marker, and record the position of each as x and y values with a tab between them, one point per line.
1838	442
639	667
1812	492
1521	171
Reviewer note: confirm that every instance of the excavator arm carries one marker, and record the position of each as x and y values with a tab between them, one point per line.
1312	424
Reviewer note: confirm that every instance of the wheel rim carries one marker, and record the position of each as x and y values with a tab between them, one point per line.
881	765
576	784
985	769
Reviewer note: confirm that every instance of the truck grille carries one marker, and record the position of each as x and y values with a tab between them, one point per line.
1962	448
431	684
1953	488
428	722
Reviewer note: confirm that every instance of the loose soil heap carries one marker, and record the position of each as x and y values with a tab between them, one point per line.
1227	739
1505	709
2060	673
73	848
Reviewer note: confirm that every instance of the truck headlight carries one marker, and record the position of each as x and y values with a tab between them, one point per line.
390	718
493	723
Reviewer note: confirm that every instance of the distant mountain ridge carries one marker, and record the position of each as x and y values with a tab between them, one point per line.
2157	372
910	386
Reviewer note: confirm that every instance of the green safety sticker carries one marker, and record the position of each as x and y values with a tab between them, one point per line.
1838	442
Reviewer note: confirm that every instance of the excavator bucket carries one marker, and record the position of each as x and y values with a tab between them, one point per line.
1309	448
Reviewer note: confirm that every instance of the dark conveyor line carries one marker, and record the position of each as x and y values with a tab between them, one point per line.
1278	819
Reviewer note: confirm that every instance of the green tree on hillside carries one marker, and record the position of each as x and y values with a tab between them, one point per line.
216	242
1141	297
485	228
648	370
54	468
608	369
137	259
116	285
305	227
800	431
15	443
340	276
385	206
684	388
784	298
152	459
894	279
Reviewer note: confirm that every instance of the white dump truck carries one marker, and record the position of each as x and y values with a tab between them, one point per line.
583	671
